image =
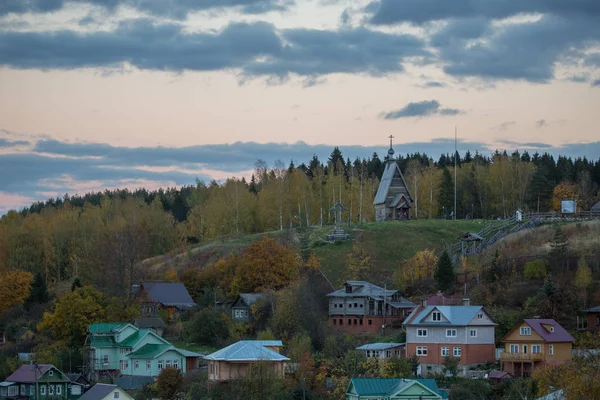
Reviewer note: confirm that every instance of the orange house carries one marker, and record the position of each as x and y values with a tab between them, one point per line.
534	343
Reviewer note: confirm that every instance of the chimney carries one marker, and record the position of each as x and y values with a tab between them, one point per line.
424	302
536	317
466	301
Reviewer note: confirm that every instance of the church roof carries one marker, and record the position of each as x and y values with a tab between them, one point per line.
386	182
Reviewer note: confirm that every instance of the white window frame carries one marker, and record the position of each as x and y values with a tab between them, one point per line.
148	365
551	329
50	373
176	364
421	351
115	395
105	359
58	389
551	350
50	390
445	351
480	315
472	332
525	331
160	365
43	390
436	316
536	349
76	390
421	332
450	331
168	364
457	351
514	348
136	364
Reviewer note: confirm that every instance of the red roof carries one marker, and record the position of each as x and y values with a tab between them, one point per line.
28	373
440	300
559	334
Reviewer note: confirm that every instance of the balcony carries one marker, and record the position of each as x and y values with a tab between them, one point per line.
510	357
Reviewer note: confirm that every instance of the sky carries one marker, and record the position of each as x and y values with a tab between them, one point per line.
98	94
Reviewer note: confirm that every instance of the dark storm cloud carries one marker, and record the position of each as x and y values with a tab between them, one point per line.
384	12
255	48
177	9
420	109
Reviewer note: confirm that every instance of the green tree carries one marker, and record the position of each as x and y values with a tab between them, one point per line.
559	247
38	294
450	365
169	383
396	367
444	273
446	198
207	327
583	279
76	284
536	269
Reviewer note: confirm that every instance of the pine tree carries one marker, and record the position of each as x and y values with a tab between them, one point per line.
76	284
38	293
444	273
494	272
559	247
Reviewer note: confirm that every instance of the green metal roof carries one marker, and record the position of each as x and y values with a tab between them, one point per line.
106	327
102	341
382	387
150	350
134	338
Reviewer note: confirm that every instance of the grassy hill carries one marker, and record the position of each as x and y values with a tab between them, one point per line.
389	243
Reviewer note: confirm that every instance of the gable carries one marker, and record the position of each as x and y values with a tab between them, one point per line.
53	374
429	316
417	390
485	320
125	332
149	338
392	183
515	334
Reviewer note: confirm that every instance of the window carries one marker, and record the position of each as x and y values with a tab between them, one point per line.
58	389
341	322
370	322
514	348
445	351
450	332
13	390
525	349
349	321
388	353
536	349
457	351
43	390
160	365
421	332
116	395
582	322
436	316
355	305
473	332
76	390
334	305
551	329
136	364
105	359
480	315
335	321
421	350
148	365
50	373
124	364
368	353
360	322
361	306
32	390
168	363
525	331
551	352
50	390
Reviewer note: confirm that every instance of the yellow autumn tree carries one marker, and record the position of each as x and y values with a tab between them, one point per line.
563	191
418	268
583	278
359	263
171	275
579	379
14	288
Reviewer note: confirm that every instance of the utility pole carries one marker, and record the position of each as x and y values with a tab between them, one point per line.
455	154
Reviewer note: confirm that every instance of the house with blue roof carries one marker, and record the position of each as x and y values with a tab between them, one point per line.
235	360
121	349
392	388
383	351
436	332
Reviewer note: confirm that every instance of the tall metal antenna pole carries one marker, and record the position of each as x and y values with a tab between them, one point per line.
455	154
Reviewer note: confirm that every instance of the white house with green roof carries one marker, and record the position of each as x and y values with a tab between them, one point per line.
122	349
392	389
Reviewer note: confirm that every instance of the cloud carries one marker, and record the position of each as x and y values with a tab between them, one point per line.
5	143
432	84
596	83
177	9
503	127
541	123
578	78
516	144
386	12
420	109
256	49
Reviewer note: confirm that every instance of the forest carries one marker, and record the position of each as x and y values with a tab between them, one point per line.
99	237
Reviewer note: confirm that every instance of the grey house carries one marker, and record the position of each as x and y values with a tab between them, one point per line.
241	307
170	297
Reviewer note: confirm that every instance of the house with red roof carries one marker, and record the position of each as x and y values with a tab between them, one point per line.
534	343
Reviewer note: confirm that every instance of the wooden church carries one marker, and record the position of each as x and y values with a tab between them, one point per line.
393	200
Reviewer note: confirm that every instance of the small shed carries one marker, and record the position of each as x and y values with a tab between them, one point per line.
470	243
498	377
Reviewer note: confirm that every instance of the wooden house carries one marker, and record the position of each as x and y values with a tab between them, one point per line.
48	380
241	308
235	360
589	319
23	335
361	307
534	343
393	200
163	296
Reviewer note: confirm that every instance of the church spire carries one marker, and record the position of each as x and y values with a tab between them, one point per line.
390	156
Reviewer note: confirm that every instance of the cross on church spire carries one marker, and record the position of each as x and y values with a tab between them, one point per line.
391	137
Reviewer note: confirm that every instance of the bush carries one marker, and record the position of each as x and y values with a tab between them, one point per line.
537	269
207	327
169	383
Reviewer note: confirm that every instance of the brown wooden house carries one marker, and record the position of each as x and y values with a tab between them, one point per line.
589	319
